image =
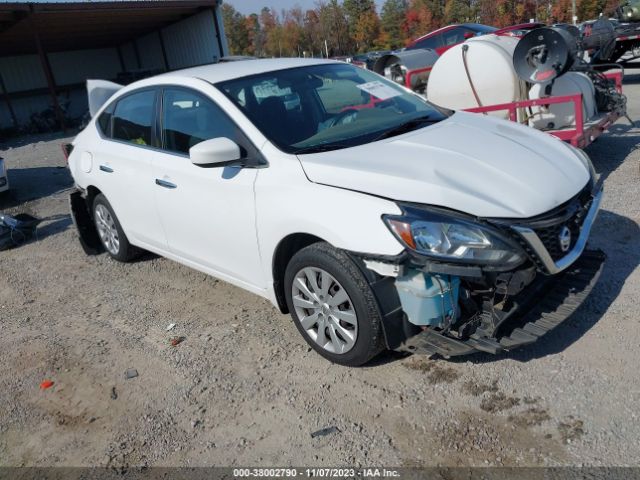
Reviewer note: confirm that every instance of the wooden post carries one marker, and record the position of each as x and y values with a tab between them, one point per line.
164	51
217	30
136	50
46	67
123	68
5	95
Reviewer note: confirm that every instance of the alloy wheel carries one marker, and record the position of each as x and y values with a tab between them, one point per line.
107	229
324	310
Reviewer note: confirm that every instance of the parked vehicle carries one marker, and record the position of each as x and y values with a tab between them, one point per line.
4	178
444	38
411	66
401	226
367	60
519	30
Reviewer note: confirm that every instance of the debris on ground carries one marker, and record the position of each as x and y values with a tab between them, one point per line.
496	402
177	341
46	384
114	394
130	373
571	429
170	327
16	229
325	431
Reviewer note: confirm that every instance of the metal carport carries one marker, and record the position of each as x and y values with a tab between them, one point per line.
49	49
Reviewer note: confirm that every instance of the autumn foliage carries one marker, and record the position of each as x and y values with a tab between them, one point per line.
346	27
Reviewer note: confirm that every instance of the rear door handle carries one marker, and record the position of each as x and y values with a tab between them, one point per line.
165	184
106	168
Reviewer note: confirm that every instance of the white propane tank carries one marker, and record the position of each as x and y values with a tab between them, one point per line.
562	115
490	65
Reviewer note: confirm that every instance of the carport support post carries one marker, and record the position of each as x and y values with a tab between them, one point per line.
5	95
46	67
164	51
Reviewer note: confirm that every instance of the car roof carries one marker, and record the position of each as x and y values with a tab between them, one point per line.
473	26
220	72
521	26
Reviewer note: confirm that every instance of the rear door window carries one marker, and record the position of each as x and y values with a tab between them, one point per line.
133	118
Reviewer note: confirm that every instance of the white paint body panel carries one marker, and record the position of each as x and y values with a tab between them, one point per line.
471	163
229	222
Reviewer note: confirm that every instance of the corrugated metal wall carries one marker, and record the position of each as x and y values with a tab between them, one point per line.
129	56
22	73
189	42
150	52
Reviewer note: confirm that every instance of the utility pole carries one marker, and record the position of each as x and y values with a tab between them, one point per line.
574	18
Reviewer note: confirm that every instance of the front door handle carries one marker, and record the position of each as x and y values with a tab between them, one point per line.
165	184
106	168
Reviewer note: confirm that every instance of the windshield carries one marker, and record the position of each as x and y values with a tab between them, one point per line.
325	107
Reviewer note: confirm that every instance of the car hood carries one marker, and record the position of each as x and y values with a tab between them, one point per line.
472	163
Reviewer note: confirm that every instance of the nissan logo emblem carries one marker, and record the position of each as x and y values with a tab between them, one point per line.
565	238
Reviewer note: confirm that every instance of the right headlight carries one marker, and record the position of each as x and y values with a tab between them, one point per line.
451	239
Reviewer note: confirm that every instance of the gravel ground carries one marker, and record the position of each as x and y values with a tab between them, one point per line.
243	388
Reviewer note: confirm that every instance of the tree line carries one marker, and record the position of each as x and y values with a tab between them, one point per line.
336	28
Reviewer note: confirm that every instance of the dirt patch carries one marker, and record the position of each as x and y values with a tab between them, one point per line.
571	429
498	402
63	419
530	417
477	389
482	440
437	373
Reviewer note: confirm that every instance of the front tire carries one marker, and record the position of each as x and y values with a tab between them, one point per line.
332	305
112	237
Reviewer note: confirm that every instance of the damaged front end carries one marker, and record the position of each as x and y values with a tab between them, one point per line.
467	284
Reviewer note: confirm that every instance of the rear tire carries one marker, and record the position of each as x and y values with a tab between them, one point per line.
333	306
112	237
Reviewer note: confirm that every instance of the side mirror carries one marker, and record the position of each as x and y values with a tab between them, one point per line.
217	152
468	35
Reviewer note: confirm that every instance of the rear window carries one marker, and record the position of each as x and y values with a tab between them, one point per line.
431	42
104	121
133	118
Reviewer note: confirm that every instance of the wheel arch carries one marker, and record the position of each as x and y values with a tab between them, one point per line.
285	250
92	193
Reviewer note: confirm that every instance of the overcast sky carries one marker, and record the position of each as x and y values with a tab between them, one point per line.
254	6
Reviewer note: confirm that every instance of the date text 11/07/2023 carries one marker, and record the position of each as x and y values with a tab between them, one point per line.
316	472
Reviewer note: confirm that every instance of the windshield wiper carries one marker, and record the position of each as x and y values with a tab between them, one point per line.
406	127
323	147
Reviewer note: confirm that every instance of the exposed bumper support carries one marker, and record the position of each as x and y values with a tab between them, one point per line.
84	224
560	296
536	244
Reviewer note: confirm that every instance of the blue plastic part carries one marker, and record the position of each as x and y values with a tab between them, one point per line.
428	299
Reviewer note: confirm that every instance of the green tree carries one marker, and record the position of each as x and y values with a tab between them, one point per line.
392	19
354	11
254	35
457	11
234	27
367	31
334	28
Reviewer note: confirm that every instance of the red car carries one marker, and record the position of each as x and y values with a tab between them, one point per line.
444	38
519	30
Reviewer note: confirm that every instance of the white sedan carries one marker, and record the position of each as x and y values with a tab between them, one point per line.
4	179
377	219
